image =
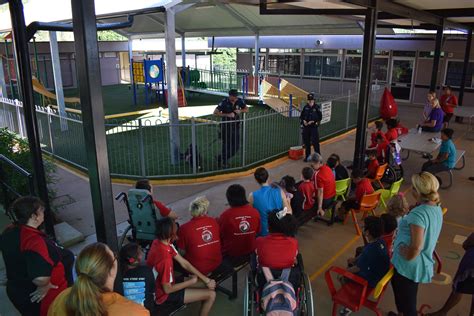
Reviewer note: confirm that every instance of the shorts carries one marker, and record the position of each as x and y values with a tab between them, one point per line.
465	287
174	300
447	117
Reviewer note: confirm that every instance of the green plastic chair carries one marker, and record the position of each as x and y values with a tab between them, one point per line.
342	186
388	194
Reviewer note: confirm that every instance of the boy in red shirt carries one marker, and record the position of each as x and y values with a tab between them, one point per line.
144	184
168	293
382	148
325	183
448	102
363	187
307	188
373	164
392	132
239	225
376	130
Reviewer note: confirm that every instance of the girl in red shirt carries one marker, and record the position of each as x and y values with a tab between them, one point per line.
392	133
168	293
363	187
279	249
376	130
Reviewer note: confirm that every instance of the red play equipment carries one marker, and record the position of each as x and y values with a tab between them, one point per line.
388	106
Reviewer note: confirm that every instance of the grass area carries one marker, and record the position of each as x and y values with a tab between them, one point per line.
146	151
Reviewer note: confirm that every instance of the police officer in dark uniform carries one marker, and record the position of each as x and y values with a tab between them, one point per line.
229	110
310	118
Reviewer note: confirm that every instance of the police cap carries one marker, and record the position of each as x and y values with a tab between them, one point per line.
310	96
233	93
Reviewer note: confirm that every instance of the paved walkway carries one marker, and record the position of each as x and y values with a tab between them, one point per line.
321	246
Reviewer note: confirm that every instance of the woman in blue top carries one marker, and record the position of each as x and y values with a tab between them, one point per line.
415	243
268	198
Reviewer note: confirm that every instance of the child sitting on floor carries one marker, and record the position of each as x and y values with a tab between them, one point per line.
307	188
363	187
373	164
373	263
398	207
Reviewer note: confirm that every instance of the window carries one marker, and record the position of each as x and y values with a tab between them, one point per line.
261	62
404	53
352	67
380	69
243	50
454	74
325	66
428	54
284	64
284	50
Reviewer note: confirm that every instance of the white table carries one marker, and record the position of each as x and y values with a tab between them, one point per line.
467	112
419	143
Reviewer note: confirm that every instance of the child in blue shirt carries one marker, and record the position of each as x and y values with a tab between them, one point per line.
446	158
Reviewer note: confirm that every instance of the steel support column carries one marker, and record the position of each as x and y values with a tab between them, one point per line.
467	54
3	84
183	53
26	89
257	67
58	80
437	56
90	87
130	57
172	83
365	86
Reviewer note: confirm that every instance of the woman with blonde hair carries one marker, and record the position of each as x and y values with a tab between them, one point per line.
92	295
434	122
415	243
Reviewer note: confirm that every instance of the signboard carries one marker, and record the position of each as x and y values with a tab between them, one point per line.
326	111
153	71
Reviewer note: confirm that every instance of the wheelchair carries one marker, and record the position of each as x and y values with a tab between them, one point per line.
394	170
142	218
304	293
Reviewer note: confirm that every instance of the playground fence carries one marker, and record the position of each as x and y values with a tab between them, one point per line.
141	147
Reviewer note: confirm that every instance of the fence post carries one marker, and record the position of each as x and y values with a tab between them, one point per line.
18	117
193	144
348	108
50	130
319	88
141	149
244	138
291	105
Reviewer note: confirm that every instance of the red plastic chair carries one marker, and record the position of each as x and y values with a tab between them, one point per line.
368	204
356	293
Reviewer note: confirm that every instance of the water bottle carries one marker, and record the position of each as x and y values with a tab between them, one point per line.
419	129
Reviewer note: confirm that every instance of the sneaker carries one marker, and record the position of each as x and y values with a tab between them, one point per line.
345	311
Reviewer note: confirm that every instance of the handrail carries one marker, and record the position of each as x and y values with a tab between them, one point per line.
15	166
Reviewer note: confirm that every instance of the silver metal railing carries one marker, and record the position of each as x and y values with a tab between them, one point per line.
140	147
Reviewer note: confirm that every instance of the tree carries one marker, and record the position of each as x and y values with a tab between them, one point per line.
225	61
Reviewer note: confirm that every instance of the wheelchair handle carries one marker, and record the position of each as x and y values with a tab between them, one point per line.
121	195
148	197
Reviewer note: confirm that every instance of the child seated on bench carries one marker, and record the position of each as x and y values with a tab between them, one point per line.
307	188
373	164
144	184
334	162
446	159
168	293
363	187
373	262
288	185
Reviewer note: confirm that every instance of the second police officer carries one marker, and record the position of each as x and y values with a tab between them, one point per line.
310	119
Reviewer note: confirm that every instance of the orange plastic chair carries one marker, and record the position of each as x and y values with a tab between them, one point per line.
356	293
368	204
379	175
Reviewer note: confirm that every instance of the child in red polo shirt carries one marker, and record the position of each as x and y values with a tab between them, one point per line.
382	148
160	258
448	103
373	164
239	224
363	187
307	188
144	184
199	239
278	250
392	133
376	130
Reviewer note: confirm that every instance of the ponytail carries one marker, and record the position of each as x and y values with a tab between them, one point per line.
426	185
93	266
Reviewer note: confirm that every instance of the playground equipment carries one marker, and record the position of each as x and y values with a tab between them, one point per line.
151	74
38	87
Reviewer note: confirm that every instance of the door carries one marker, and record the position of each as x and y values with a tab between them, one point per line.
401	78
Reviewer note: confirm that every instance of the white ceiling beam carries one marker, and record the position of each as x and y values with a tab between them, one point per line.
158	20
239	17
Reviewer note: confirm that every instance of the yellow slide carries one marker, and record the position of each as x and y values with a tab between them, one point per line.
39	88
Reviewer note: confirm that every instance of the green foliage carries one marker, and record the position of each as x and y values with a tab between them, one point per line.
16	149
110	36
225	61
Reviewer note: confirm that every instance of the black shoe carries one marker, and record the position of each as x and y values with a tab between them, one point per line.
471	178
337	219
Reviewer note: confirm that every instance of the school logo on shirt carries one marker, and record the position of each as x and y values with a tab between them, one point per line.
206	236
244	226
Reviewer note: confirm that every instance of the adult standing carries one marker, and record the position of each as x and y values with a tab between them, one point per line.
310	118
415	243
448	102
38	269
229	110
267	199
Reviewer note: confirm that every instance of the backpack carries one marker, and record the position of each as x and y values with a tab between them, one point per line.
278	295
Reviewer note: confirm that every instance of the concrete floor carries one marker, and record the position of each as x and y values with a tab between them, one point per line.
320	245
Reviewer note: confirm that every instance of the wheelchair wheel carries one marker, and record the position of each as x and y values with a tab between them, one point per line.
306	297
393	174
249	304
125	236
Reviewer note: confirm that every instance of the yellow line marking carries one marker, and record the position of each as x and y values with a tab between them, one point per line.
459	225
333	258
446	281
